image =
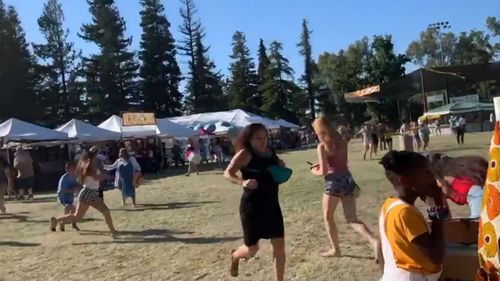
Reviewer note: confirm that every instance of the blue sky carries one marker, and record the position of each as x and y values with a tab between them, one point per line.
335	23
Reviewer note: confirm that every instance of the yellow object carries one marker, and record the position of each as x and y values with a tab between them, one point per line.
429	117
403	224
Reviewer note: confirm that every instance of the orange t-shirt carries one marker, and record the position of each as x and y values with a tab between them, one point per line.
403	224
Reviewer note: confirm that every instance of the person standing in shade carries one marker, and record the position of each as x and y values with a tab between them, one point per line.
26	175
460	130
340	186
3	182
177	154
437	124
424	134
90	177
126	167
260	211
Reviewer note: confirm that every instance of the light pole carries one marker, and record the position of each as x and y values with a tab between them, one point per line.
439	27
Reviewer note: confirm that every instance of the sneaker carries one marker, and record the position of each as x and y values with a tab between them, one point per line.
75	227
53	224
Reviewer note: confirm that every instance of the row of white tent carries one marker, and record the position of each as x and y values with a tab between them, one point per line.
112	129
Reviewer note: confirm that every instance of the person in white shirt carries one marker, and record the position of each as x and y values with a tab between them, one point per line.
126	168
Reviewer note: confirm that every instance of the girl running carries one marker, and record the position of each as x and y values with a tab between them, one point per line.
260	210
339	185
90	177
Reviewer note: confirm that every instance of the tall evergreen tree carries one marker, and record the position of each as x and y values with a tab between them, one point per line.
263	61
281	96
190	28
159	71
307	78
17	72
210	96
242	88
110	74
59	71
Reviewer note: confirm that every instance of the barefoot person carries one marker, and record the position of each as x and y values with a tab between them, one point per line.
339	185
409	250
260	210
461	179
90	177
126	167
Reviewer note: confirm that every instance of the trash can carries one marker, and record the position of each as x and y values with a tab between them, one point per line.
405	142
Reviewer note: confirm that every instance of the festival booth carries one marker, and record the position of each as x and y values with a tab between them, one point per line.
146	137
476	113
48	148
87	133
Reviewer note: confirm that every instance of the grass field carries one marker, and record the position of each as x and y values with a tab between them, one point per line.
185	228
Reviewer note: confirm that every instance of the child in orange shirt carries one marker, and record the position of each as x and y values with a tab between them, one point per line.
408	249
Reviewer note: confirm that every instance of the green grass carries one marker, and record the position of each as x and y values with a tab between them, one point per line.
188	225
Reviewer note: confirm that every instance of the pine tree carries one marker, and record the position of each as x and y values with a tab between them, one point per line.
190	28
159	71
242	89
209	83
204	83
306	51
281	96
110	74
261	71
60	58
17	69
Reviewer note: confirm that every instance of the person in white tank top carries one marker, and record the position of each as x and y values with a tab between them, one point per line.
90	176
408	249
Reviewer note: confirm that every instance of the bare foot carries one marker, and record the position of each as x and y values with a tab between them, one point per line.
331	254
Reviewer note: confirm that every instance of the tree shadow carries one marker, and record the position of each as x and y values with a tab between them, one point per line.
155	236
182	170
166	206
18	244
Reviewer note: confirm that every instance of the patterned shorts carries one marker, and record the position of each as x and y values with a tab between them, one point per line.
340	185
88	196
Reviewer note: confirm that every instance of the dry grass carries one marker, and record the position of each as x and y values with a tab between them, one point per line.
187	225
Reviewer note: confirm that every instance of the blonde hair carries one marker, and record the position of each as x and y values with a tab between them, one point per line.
326	132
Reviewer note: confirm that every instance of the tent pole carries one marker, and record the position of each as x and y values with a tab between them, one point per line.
423	88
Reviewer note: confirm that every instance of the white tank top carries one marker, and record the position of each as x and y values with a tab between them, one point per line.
90	182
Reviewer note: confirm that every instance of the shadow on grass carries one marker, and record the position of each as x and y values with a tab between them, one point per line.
154	236
18	244
211	168
166	206
358	257
20	218
51	199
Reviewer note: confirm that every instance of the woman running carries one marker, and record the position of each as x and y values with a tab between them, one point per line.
461	179
90	177
339	185
126	167
260	210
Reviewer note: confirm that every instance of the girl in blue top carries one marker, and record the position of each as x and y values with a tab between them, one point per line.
66	189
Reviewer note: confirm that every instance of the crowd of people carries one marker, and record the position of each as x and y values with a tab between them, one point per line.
405	248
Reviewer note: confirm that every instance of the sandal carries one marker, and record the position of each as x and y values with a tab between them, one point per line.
233	269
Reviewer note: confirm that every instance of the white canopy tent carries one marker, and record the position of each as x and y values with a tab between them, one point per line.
166	128
284	123
231	118
16	130
163	128
114	123
86	132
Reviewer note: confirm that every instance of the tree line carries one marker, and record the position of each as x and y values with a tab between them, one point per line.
52	82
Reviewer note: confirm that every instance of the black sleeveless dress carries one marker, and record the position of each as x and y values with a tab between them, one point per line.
260	210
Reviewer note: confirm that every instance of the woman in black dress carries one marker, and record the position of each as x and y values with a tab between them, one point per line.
260	210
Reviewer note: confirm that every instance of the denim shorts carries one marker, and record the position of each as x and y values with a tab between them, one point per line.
340	184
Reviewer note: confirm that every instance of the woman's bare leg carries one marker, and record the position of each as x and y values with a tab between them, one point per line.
133	200
279	258
367	147
349	206
81	209
100	206
329	205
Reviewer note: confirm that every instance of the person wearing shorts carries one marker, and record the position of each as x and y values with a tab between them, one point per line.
66	189
340	186
90	177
